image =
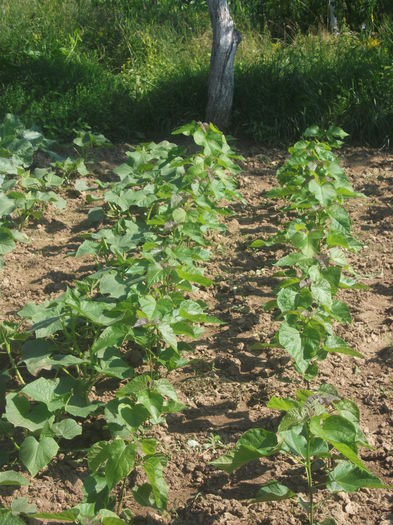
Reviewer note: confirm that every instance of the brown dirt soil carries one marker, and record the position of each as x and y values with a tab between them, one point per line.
226	385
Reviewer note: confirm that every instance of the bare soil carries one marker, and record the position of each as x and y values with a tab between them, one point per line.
226	385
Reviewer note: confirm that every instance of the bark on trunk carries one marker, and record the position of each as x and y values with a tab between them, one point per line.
221	76
333	18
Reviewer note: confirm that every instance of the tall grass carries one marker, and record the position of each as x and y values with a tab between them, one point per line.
131	68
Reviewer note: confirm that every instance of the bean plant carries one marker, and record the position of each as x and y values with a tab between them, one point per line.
129	322
321	432
314	188
319	429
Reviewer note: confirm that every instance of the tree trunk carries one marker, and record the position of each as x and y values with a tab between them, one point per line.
333	18
221	76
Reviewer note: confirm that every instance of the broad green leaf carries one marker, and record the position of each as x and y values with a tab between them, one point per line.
341	220
292	418
67	428
35	455
289	338
41	389
349	478
121	461
274	491
97	455
193	277
341	312
22	506
77	406
153	402
336	344
294	439
113	365
254	444
134	416
66	515
19	414
8	518
338	257
286	299
283	404
168	334
324	193
179	215
110	336
10	477
292	259
322	292
7	243
347	447
153	466
307	241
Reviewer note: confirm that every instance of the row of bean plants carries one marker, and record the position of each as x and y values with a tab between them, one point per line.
319	428
127	323
24	194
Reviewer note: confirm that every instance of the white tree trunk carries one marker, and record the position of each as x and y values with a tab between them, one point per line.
221	76
332	15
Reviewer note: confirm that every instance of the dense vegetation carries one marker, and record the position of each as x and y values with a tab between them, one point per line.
139	68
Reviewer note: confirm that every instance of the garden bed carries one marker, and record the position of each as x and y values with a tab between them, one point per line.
226	385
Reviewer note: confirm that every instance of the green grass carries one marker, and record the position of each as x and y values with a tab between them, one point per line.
141	72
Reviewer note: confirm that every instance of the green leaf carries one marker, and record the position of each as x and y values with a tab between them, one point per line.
283	404
324	193
274	491
339	428
10	477
312	131
336	344
67	429
193	277
292	259
338	257
77	406
19	414
41	389
134	416
179	215
307	241
286	299
8	518
153	402
22	506
153	466
254	444
168	334
7	243
258	243
289	338
294	439
35	455
341	220
97	455
121	461
112	364
66	515
341	312
349	478
322	292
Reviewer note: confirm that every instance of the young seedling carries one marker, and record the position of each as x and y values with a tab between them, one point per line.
320	431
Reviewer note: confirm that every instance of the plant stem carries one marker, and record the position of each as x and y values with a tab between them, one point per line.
309	479
120	502
13	363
